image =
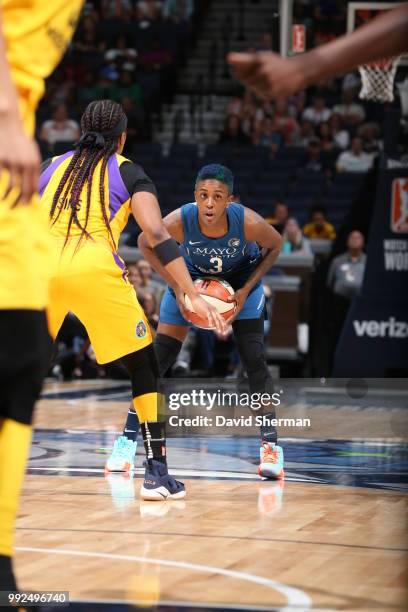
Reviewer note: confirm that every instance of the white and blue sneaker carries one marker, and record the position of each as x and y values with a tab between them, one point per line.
158	484
271	461
122	458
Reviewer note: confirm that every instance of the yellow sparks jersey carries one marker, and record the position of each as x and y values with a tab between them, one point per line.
90	280
121	181
36	32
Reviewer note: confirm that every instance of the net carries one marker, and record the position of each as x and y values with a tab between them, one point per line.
377	80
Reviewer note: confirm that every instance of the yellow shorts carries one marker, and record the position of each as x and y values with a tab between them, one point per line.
92	283
25	249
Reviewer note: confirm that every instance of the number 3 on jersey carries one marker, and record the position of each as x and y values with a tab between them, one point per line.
218	265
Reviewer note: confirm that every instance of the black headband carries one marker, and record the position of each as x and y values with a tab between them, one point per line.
92	138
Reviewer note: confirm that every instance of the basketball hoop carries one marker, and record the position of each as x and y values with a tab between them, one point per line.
378	80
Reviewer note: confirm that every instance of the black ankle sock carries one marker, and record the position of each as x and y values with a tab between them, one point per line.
154	438
131	429
268	431
7	579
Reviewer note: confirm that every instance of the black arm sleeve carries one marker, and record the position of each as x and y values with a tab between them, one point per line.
135	179
45	164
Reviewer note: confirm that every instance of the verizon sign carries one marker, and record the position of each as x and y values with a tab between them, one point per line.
381	329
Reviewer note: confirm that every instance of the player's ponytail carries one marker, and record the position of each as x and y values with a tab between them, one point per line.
102	123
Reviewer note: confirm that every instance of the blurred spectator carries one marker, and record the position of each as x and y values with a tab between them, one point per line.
248	114
266	136
136	124
318	227
351	112
293	240
88	43
315	161
149	305
296	103
135	277
122	55
127	87
318	113
344	280
341	136
149	10
60	128
346	271
109	74
279	217
284	123
156	58
178	9
113	8
306	134
74	358
370	136
232	133
89	89
355	159
234	106
351	81
326	138
263	110
148	285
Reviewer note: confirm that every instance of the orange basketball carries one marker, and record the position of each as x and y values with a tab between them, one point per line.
216	292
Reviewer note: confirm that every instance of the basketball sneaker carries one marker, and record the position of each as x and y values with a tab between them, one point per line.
158	484
122	458
271	461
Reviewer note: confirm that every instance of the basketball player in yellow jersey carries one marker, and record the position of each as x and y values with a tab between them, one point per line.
89	194
33	37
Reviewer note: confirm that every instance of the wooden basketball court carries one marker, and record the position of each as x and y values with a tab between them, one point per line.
331	537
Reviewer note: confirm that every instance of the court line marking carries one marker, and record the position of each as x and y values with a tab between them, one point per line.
180	472
193	474
297	599
214	536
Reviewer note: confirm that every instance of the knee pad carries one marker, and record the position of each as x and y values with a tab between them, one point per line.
143	370
167	350
250	340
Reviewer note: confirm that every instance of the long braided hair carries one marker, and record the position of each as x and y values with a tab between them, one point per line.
98	142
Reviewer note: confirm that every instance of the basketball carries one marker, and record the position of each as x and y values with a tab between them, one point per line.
216	292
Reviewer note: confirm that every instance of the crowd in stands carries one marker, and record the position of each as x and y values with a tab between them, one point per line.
335	137
126	50
296	239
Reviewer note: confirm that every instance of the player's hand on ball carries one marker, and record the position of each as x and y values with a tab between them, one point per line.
240	296
268	74
209	312
20	157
